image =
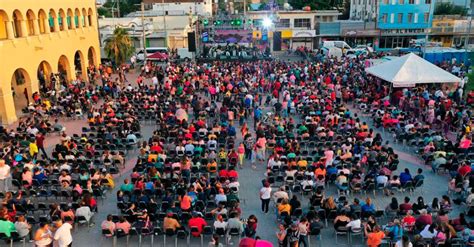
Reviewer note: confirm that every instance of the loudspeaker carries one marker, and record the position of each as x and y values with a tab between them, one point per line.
277	41
191	41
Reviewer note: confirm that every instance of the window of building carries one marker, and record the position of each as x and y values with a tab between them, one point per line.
392	18
411	1
428	1
426	17
410	17
385	1
400	18
284	23
401	1
303	22
384	18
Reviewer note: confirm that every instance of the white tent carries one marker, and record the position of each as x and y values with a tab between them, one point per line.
409	70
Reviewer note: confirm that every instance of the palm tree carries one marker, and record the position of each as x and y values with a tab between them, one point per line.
119	47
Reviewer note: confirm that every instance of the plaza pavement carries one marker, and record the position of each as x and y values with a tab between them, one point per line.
250	180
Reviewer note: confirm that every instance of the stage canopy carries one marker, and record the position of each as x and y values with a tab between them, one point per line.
409	70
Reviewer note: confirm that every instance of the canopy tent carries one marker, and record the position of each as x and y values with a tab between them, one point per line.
409	70
157	56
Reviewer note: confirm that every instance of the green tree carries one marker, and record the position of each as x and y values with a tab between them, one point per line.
119	47
104	12
449	9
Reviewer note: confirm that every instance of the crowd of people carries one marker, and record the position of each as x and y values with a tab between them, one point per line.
314	127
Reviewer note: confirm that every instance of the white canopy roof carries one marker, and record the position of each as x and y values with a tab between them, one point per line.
409	70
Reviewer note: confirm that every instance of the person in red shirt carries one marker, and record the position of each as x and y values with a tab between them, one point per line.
223	173
464	169
232	173
40	143
408	220
198	222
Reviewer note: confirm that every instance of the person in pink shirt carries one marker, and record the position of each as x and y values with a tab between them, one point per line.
123	224
329	155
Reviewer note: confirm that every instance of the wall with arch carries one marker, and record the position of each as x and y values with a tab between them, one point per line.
46	33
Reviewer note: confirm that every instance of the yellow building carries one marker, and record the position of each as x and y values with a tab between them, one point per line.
442	29
43	37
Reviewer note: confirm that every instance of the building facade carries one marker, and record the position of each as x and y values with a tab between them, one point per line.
38	38
400	21
297	27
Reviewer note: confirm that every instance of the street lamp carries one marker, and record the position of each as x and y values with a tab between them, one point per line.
267	22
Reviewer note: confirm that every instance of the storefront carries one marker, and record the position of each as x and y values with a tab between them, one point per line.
303	38
359	37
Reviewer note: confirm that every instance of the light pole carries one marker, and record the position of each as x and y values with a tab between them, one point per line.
143	29
469	26
164	22
267	24
427	30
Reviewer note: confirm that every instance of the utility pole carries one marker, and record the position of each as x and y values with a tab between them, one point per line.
164	23
143	29
427	30
469	26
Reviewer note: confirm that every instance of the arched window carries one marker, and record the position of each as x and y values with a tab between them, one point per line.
30	16
77	16
61	19
42	21
17	19
89	17
84	15
69	19
51	20
3	25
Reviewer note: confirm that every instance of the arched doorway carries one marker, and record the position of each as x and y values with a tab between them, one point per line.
79	65
44	76
91	56
64	69
20	81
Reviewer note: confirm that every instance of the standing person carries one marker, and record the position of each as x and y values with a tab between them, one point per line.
4	176
303	228
63	235
281	235
25	92
241	153
43	236
40	143
265	195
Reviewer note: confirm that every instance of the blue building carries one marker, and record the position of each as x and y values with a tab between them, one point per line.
400	21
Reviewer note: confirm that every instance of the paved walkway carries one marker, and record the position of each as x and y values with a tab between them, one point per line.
250	180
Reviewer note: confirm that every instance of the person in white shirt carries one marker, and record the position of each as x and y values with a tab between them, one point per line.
265	195
355	223
220	223
4	176
63	236
85	211
429	231
404	242
280	195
